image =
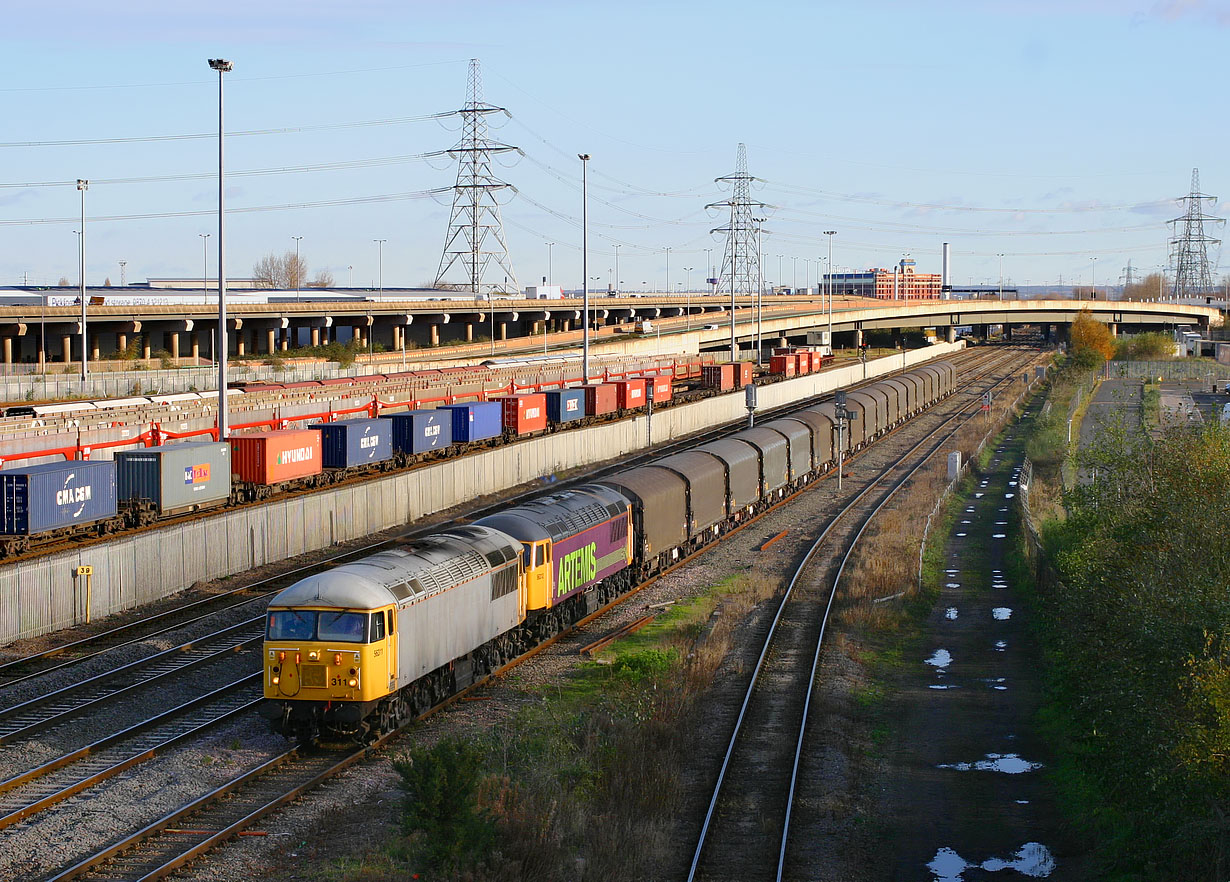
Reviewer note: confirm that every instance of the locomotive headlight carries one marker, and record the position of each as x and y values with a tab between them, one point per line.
276	679
353	682
313	655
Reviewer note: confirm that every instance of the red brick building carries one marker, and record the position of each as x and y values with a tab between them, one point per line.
878	283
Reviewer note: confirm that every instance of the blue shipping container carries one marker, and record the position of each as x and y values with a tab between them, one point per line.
565	405
47	497
349	443
476	421
418	431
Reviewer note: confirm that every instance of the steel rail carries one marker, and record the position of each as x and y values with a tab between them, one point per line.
787	596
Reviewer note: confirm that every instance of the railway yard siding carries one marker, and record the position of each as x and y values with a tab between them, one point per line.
41	595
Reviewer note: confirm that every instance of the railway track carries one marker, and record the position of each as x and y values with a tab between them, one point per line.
163	846
745	833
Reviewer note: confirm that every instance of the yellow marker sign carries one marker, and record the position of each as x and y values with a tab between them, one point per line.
85	571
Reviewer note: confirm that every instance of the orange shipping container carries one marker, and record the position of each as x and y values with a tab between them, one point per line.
524	413
631	394
661	388
743	374
272	457
786	365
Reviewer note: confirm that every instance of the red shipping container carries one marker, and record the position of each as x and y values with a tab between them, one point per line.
719	376
661	388
272	457
601	398
630	394
743	374
523	413
783	364
804	362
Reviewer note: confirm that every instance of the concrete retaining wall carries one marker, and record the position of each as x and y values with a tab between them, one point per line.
43	594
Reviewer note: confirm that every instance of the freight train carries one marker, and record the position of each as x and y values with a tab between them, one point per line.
149	484
362	648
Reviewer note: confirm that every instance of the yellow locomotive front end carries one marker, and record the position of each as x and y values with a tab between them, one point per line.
325	669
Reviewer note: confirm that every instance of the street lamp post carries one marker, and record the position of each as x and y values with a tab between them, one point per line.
351	269
222	66
830	234
795	283
709	268
584	157
550	274
1093	279
688	294
668	270
380	264
1000	255
82	185
297	273
616	291
205	257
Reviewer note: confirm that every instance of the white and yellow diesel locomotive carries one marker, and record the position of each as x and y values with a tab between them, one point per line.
364	647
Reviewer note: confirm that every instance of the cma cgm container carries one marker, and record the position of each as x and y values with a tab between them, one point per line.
661	388
565	405
41	498
475	421
630	394
272	457
718	376
176	477
743	374
523	414
420	431
786	365
349	443
601	398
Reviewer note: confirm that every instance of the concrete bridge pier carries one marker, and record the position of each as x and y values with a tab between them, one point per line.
1114	329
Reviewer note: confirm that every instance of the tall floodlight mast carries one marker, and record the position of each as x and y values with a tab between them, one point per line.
741	258
1189	248
475	238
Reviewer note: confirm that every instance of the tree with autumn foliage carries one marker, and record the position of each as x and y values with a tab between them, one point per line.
1091	340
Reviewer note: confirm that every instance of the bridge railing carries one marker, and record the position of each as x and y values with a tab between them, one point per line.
1180	369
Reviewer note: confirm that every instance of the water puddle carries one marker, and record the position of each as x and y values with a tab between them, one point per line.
1033	859
1022	802
998	535
969	510
941	659
1009	495
951	614
978	495
952	572
1005	508
1007	763
1001	523
967	522
960	534
1001	645
942	686
1001	613
953	585
1012	483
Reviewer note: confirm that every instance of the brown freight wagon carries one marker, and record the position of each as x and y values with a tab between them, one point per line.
718	376
601	399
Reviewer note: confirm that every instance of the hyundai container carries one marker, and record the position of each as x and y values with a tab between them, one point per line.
565	405
273	457
421	431
40	498
475	421
175	477
523	414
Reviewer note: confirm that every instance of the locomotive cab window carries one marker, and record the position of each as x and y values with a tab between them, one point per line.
291	624
377	631
389	613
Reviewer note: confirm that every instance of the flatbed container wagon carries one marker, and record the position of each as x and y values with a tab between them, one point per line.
173	478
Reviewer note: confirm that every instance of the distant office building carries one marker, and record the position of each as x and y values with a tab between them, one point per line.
878	283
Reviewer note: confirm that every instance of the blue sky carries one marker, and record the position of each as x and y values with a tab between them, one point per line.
1052	132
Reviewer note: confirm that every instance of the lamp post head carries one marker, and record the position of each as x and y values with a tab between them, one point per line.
82	184
584	157
830	232
221	65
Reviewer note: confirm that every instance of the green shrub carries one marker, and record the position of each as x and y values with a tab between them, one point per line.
441	816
